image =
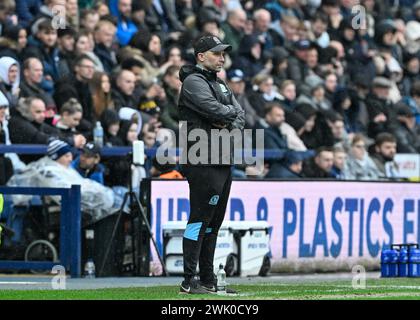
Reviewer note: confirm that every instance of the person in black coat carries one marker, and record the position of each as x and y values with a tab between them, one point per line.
249	57
381	111
406	130
289	168
321	165
317	131
105	31
76	86
273	138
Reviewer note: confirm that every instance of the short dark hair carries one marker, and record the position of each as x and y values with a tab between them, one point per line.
27	62
71	106
85	12
320	16
170	71
82	57
323	149
46	25
384	137
129	63
270	106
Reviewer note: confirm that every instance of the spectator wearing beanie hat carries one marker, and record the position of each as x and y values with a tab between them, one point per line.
290	167
60	152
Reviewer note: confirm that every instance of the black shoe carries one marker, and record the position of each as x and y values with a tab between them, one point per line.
212	288
192	287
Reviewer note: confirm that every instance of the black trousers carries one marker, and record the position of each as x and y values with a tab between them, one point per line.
209	194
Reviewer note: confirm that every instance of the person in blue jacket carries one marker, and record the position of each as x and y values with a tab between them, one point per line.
125	27
87	164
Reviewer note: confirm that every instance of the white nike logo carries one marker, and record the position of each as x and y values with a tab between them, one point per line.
186	290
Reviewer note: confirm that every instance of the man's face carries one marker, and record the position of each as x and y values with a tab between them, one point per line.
290	31
340	159
319	27
337	129
173	81
382	93
238	87
149	139
85	70
388	150
238	20
262	23
67	43
275	117
71	120
331	82
325	160
289	92
90	21
105	35
72	7
312	58
124	7
13	73
138	73
37	110
35	72
48	37
213	61
126	82
88	161
296	167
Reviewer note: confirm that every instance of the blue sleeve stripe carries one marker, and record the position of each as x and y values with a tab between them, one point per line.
208	230
192	231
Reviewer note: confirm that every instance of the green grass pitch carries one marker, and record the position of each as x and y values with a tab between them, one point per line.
377	289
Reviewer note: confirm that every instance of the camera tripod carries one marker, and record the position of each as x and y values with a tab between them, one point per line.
135	208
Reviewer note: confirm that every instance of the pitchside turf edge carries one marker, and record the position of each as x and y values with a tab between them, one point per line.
377	289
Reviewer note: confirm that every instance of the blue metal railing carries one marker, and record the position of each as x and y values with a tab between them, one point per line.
122	151
70	230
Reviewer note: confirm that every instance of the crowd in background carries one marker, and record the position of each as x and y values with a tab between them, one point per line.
339	94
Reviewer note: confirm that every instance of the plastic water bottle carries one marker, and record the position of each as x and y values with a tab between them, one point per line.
221	280
98	135
89	269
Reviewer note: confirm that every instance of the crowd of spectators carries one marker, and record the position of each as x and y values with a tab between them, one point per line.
338	94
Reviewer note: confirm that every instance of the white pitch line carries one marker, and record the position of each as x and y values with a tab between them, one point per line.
24	283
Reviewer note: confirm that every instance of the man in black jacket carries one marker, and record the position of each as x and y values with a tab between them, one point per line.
77	86
33	72
104	35
273	138
206	103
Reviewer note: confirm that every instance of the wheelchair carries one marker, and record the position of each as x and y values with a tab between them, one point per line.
33	231
36	237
